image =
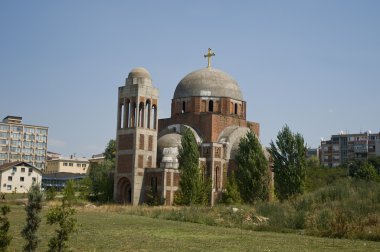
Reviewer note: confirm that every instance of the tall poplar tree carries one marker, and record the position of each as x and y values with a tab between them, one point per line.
252	174
192	189
33	219
5	237
289	163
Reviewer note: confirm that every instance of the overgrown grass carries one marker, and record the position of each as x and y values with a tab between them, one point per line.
111	228
345	209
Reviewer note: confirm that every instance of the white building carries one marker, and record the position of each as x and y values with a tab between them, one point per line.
18	177
68	164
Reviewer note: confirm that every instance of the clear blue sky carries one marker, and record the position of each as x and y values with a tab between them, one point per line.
314	65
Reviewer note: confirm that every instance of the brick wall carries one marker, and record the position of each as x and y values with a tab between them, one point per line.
124	163
140	162
210	125
150	143
125	142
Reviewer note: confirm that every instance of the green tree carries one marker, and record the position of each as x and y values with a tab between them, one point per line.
363	170
33	219
5	238
51	193
375	161
288	155
231	194
110	151
98	186
192	188
63	216
69	192
100	181
253	171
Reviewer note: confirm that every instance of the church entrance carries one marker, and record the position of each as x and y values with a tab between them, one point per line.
124	189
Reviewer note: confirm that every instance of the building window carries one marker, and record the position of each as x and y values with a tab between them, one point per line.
236	109
211	106
83	165
4	127
22	169
34	179
14	169
9	178
21	179
183	107
64	164
30	170
70	164
78	165
9	187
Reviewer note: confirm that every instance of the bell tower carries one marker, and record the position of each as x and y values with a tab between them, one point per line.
136	138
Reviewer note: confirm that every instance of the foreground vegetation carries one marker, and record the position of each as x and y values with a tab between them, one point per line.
345	209
113	228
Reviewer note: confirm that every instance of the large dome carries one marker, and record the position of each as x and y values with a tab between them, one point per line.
208	82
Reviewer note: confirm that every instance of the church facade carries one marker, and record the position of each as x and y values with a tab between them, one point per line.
207	101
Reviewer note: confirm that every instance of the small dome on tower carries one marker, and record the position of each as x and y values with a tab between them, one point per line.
139	75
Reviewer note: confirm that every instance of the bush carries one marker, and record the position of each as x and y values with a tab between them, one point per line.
51	193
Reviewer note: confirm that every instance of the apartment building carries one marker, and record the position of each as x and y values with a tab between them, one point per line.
22	142
344	148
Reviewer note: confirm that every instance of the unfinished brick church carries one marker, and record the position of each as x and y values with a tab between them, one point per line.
208	101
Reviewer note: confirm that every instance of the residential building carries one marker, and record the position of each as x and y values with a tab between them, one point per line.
22	142
18	177
67	164
345	148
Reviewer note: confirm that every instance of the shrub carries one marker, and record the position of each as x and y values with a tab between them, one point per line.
51	193
63	216
5	238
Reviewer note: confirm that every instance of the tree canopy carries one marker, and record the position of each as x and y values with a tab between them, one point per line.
192	188
98	185
363	169
289	162
253	170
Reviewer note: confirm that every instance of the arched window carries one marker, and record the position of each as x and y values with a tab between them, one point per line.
211	106
154	115
133	115
127	119
236	110
121	116
183	107
141	115
147	114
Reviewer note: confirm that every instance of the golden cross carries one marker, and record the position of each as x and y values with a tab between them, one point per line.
209	55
